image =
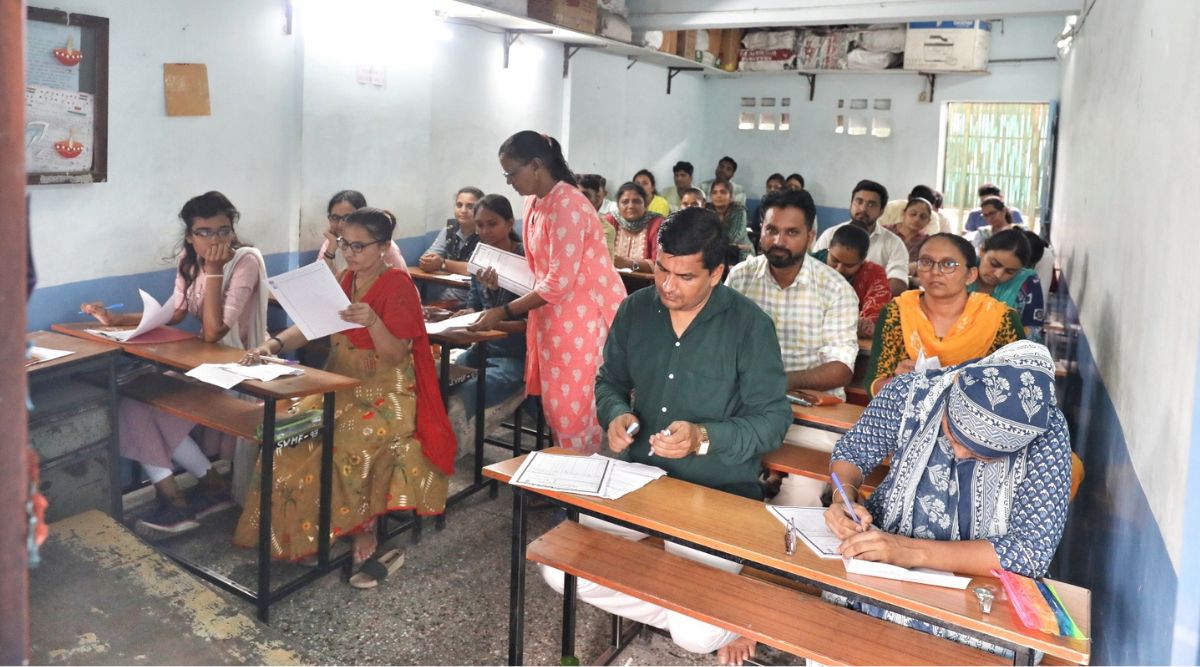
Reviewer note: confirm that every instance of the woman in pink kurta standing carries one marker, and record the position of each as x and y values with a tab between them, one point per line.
576	294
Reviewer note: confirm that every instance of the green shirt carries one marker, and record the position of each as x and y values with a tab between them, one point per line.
725	373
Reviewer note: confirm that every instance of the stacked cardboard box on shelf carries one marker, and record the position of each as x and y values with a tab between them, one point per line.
577	15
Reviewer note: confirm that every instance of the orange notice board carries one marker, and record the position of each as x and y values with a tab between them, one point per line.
185	86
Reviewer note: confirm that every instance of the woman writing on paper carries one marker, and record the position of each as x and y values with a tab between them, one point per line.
220	281
505	357
980	471
393	446
576	294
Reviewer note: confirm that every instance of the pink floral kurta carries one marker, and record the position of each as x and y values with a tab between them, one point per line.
565	247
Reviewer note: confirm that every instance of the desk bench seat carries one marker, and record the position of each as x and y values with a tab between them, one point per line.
803	625
812	463
203	404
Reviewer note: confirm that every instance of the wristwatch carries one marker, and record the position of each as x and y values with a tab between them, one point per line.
704	442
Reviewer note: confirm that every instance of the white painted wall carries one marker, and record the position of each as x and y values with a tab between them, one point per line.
621	120
832	163
1123	157
247	148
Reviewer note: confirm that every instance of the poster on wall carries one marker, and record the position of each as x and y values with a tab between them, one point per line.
53	55
58	130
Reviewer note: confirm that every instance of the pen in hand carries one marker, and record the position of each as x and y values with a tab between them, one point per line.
114	306
837	483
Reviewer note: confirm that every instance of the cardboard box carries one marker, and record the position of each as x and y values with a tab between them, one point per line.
729	48
577	15
670	43
947	46
687	44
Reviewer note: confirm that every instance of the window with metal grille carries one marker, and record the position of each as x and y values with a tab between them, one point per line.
1003	143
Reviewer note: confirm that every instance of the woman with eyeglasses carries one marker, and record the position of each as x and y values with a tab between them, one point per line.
451	249
576	294
340	206
220	281
393	445
943	320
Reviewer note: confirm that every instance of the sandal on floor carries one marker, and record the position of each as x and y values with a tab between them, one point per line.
377	568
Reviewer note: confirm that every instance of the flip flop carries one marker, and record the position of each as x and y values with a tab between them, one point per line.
377	568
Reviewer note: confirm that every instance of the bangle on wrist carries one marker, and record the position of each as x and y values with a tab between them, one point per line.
508	313
214	275
330	255
277	340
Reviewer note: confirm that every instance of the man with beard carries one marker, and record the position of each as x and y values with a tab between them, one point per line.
701	360
887	249
815	313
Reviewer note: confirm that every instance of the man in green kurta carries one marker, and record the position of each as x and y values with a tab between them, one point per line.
696	366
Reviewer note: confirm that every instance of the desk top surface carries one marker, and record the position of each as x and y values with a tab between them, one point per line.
464	338
839	417
439	277
82	350
743	528
187	354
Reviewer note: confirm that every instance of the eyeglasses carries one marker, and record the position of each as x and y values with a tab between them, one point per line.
223	232
334	217
354	247
944	266
509	174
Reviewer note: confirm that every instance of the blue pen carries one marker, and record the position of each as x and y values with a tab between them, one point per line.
837	483
114	306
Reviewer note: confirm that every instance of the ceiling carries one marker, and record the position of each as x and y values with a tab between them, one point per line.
681	14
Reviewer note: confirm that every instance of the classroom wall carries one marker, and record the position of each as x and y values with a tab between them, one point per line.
1122	200
86	236
832	163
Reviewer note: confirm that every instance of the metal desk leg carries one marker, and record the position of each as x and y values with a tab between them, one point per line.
517	430
516	591
444	372
263	599
480	418
116	504
325	511
570	583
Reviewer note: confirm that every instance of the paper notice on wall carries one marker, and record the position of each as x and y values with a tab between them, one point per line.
42	68
185	89
58	130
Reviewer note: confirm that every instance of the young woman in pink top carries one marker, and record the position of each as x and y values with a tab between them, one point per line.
576	294
233	312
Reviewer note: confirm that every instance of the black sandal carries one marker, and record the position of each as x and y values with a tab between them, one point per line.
376	568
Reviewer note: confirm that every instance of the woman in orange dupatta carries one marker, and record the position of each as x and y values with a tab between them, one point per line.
393	445
943	320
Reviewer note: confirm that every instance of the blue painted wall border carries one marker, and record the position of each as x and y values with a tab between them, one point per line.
1113	544
1186	646
60	303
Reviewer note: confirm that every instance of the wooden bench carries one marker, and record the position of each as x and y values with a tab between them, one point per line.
814	464
802	625
203	404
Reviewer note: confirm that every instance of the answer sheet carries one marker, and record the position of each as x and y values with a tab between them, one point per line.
810	528
511	269
584	475
313	298
451	323
153	317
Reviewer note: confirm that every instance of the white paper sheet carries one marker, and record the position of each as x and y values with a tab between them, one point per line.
627	476
230	375
451	323
465	280
584	475
925	363
312	297
39	355
154	316
920	575
810	528
511	269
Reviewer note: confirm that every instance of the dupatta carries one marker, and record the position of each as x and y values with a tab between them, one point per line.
971	336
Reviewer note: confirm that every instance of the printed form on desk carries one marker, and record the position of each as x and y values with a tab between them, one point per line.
512	269
228	376
811	529
593	475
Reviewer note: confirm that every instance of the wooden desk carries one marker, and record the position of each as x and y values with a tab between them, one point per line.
741	529
837	418
439	278
65	448
187	354
463	338
636	280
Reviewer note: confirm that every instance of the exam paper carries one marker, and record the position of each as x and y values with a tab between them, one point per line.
920	575
451	323
228	376
38	355
153	317
584	475
810	528
512	269
312	297
925	363
627	476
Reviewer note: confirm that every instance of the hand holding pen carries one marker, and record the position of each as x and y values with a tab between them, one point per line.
844	517
677	440
621	431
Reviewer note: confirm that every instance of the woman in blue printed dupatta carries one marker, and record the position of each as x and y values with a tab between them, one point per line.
980	474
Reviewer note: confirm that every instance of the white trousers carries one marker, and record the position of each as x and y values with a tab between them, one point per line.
797	490
687	632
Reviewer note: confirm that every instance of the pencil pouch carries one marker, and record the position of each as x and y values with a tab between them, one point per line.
1038	605
813	398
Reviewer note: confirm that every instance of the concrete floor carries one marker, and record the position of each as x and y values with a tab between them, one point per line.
449	604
